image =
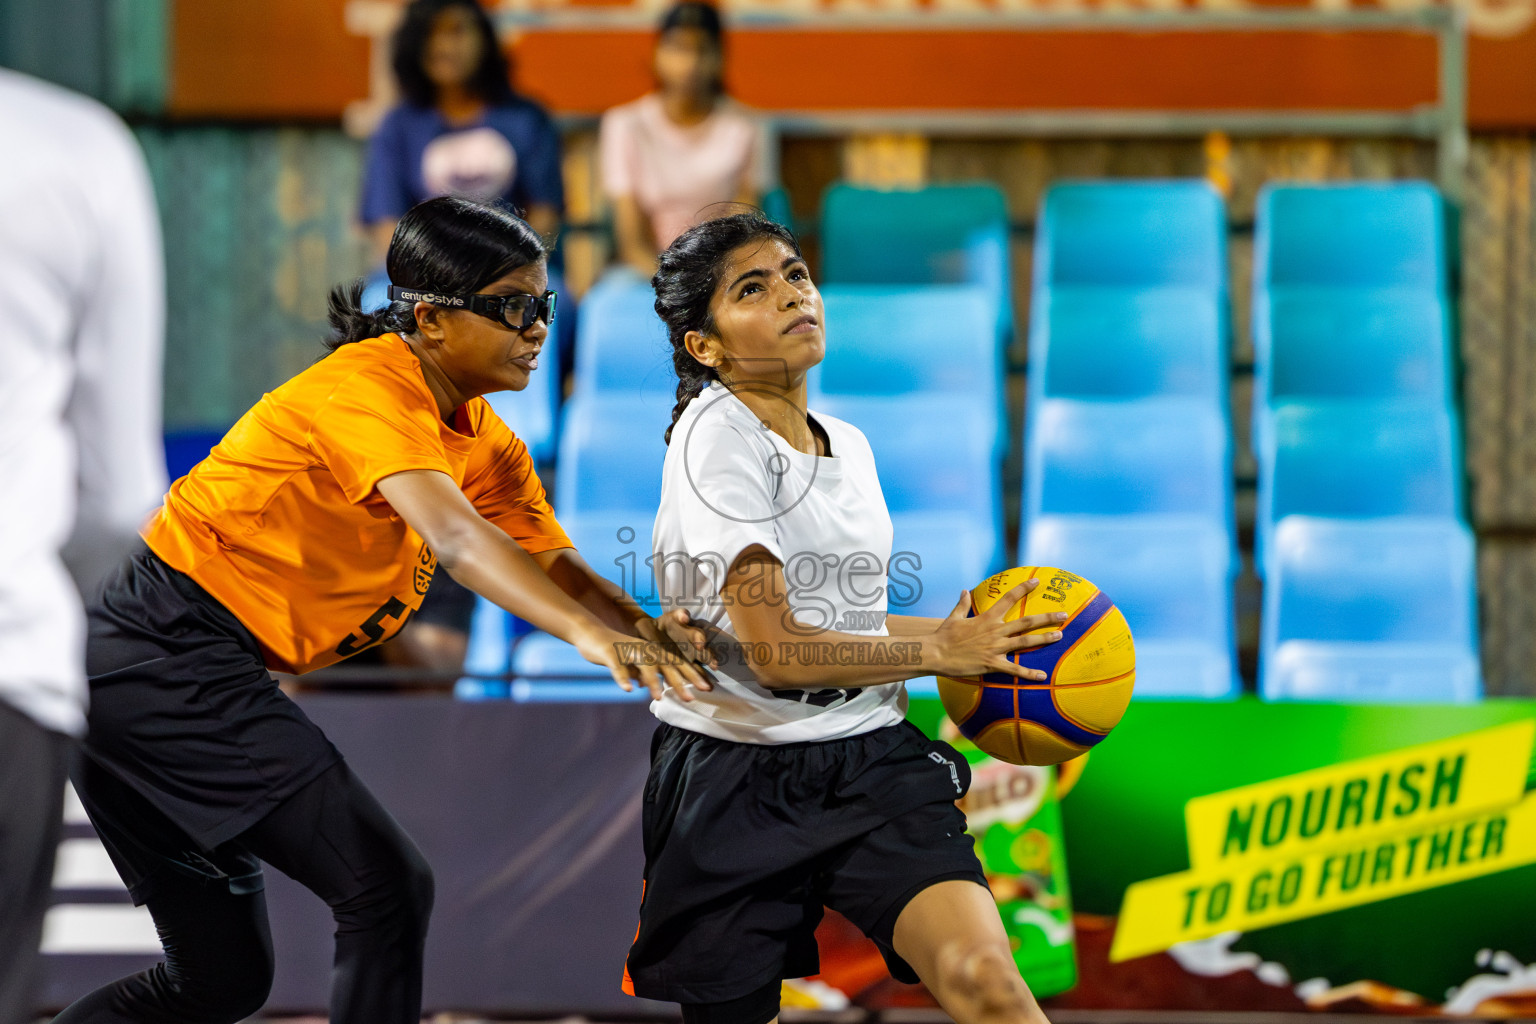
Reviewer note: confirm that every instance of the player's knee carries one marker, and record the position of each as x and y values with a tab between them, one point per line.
236	990
982	972
418	888
399	900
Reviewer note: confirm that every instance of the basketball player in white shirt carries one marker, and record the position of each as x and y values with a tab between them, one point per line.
80	458
796	783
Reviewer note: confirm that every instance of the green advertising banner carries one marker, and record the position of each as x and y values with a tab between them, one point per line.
1247	855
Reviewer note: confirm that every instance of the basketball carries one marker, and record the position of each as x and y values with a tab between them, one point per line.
1091	672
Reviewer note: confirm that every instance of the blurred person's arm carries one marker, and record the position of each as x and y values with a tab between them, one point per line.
760	171
380	233
632	238
910	625
545	220
114	409
386	192
543	181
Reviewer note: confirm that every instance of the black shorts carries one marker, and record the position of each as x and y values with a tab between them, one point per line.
184	712
448	603
746	843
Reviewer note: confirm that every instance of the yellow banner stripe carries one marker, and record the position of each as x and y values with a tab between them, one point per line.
1359	800
1248	893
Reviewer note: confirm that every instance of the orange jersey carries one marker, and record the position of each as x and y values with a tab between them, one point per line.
284	526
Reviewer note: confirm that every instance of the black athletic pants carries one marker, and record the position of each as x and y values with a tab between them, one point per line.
33	761
334	838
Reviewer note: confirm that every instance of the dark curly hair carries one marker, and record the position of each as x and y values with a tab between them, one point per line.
491	81
444	245
687	275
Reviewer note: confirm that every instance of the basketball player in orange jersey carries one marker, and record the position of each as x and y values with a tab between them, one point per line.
311	532
795	782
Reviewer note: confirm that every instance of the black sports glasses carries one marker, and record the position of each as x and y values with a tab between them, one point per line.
515	311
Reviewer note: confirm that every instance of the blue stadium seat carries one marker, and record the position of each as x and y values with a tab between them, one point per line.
933	455
1141	234
621	344
1357	343
186	448
1158	456
1358	459
776	208
903	339
895	339
942	234
616	544
606	494
1370	610
1351	343
611	453
1171	579
935	556
1096	342
579	691
533	412
1351	236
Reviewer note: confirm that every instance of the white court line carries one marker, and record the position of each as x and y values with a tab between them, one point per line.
84	864
101	928
74	810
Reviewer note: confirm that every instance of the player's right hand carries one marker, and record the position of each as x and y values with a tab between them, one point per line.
629	658
966	645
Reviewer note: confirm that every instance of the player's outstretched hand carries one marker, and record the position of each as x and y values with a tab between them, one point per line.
972	645
657	667
677	630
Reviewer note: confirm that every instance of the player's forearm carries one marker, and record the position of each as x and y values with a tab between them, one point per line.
632	233
606	600
910	625
491	564
791	660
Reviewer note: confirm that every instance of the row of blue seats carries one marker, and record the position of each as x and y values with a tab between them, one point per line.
945	235
1127	448
1127	390
1355	431
1361	532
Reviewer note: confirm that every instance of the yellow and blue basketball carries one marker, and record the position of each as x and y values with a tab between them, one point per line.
1091	671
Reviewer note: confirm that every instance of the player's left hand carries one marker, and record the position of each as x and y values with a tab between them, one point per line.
677	630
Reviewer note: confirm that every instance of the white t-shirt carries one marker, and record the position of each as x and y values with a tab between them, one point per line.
728	483
80	454
676	171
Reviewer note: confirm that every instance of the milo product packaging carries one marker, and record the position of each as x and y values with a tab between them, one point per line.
1014	815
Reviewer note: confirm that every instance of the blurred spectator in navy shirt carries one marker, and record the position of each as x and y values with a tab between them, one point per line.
460	130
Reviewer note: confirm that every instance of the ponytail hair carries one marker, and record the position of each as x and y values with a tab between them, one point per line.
446	245
687	275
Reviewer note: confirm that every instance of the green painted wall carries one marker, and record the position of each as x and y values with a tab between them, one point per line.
259	224
114	50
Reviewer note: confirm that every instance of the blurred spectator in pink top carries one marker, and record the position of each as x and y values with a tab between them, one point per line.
672	153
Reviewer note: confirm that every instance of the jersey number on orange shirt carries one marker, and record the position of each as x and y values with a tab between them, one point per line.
373	630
